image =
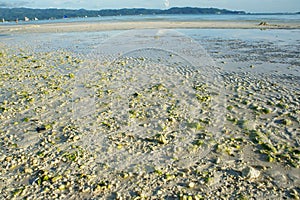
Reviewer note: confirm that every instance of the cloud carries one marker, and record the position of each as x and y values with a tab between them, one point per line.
167	3
13	4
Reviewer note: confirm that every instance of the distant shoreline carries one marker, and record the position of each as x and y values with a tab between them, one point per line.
105	26
13	14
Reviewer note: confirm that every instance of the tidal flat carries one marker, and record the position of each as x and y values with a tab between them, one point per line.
150	114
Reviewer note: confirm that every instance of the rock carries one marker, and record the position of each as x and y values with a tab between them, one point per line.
28	170
218	160
162	139
263	23
191	185
250	173
247	125
294	194
286	122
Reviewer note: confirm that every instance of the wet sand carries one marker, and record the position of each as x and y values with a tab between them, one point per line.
82	27
84	115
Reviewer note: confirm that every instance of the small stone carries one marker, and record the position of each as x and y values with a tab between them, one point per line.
28	170
250	173
247	125
75	138
124	175
295	194
263	23
62	187
159	192
71	75
56	178
8	158
34	161
218	160
162	139
198	197
191	185
286	122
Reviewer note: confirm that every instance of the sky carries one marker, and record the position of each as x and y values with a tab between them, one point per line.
243	5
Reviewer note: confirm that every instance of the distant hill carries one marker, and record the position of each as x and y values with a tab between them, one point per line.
11	14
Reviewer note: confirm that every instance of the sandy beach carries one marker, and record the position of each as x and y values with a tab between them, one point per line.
82	27
168	110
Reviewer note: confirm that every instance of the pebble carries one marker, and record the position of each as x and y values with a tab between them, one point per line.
250	173
191	185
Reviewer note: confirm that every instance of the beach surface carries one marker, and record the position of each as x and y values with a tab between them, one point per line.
86	26
91	111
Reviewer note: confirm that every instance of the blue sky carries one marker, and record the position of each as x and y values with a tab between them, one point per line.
245	5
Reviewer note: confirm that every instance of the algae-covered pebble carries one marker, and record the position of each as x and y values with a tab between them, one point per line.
170	177
286	122
195	125
266	110
203	98
56	178
246	124
161	138
71	75
45	178
229	107
43	127
282	105
26	119
294	194
271	158
17	192
125	175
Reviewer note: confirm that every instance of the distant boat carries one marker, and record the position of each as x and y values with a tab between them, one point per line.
65	17
35	19
26	19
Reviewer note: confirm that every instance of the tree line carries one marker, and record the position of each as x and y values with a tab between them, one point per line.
11	14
